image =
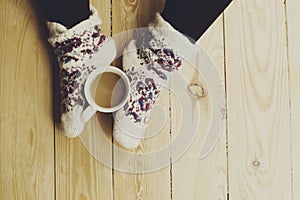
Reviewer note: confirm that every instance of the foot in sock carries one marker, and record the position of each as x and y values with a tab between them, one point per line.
148	61
79	50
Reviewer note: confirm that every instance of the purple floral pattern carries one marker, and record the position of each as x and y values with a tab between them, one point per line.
155	64
79	45
71	53
72	85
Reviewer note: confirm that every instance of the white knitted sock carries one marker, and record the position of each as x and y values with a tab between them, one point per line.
148	61
79	50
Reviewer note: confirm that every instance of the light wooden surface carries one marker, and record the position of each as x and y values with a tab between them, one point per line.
258	101
293	38
78	174
26	125
255	46
189	169
150	185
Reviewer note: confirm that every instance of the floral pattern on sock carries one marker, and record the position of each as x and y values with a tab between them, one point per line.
72	86
143	95
145	81
79	45
72	52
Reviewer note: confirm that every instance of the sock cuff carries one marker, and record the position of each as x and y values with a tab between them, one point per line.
79	43
59	32
165	36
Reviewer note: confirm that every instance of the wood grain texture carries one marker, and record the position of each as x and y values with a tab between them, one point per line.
26	125
293	29
258	100
207	178
155	185
213	179
261	50
78	174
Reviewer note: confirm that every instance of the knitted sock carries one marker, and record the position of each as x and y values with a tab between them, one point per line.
148	61
79	50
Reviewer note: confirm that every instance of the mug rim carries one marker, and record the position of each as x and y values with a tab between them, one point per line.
93	75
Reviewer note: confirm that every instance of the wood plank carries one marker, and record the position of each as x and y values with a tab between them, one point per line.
258	100
128	15
79	174
26	119
154	185
293	28
207	178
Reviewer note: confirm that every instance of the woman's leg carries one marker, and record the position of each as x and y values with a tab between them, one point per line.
66	12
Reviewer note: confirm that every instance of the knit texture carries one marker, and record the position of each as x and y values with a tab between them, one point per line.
79	50
148	61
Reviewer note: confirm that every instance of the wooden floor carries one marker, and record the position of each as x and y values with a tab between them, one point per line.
255	45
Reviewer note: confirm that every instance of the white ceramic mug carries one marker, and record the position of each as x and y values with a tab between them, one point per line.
89	88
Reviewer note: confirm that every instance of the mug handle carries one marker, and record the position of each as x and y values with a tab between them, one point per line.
87	114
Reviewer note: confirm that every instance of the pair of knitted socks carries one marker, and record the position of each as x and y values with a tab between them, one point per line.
148	61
